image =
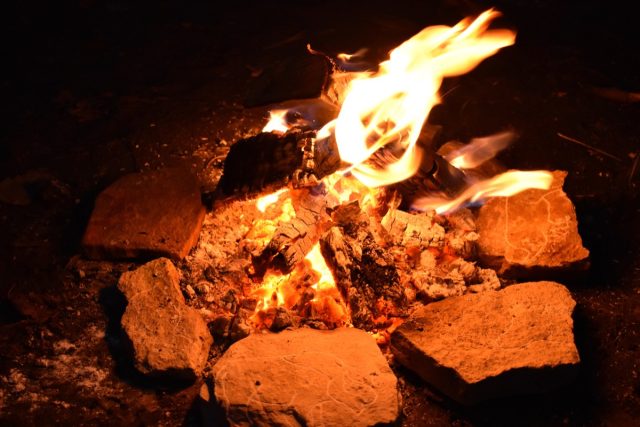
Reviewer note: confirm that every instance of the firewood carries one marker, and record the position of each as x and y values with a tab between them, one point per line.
364	272
269	161
292	240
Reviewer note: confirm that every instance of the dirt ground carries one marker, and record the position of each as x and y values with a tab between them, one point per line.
94	90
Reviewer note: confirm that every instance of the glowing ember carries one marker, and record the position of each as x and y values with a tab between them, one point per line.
503	185
309	290
389	107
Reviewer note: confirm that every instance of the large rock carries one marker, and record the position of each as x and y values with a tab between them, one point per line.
532	235
146	215
170	340
496	343
306	377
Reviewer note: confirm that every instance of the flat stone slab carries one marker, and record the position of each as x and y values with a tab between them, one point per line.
474	347
146	215
170	339
532	235
306	377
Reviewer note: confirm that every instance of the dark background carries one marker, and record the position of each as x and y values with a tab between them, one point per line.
96	89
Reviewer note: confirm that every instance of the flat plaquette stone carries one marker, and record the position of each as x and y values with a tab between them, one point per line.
475	347
170	340
532	235
306	377
146	215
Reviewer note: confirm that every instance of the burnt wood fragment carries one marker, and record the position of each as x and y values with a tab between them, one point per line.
364	272
268	161
293	240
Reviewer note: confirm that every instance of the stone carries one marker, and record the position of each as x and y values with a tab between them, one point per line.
146	215
532	235
475	347
306	377
170	340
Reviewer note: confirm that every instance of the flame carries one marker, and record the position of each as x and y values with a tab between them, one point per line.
277	121
389	107
479	150
262	203
319	265
503	185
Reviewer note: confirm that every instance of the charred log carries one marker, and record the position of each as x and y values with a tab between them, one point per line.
269	161
294	239
364	272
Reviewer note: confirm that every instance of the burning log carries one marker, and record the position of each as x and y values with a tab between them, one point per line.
293	240
364	272
269	161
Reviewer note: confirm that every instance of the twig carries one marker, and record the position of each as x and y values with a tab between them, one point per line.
589	147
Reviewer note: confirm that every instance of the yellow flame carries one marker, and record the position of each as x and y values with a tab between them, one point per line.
262	203
479	150
277	121
319	265
389	107
503	185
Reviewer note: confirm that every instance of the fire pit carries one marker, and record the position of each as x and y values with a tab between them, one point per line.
348	261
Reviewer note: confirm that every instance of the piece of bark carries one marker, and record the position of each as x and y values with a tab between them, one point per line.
170	340
293	240
306	377
364	273
145	215
269	161
533	234
497	343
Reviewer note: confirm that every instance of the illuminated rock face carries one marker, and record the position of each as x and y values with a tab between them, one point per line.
306	377
496	343
170	340
532	235
146	215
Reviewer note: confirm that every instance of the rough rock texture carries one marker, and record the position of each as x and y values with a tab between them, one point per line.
496	343
146	215
306	377
533	234
170	339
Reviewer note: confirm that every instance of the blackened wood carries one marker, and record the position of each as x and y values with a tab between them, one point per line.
364	272
293	240
268	161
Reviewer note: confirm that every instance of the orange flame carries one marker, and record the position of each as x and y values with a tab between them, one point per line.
503	185
479	150
390	106
262	203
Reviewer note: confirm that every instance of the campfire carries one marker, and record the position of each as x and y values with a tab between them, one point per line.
353	221
344	224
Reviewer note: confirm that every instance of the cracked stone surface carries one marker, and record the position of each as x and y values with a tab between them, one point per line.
475	347
532	235
146	215
170	339
306	377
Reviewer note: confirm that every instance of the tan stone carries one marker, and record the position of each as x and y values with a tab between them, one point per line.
306	377
532	235
145	215
170	339
496	343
